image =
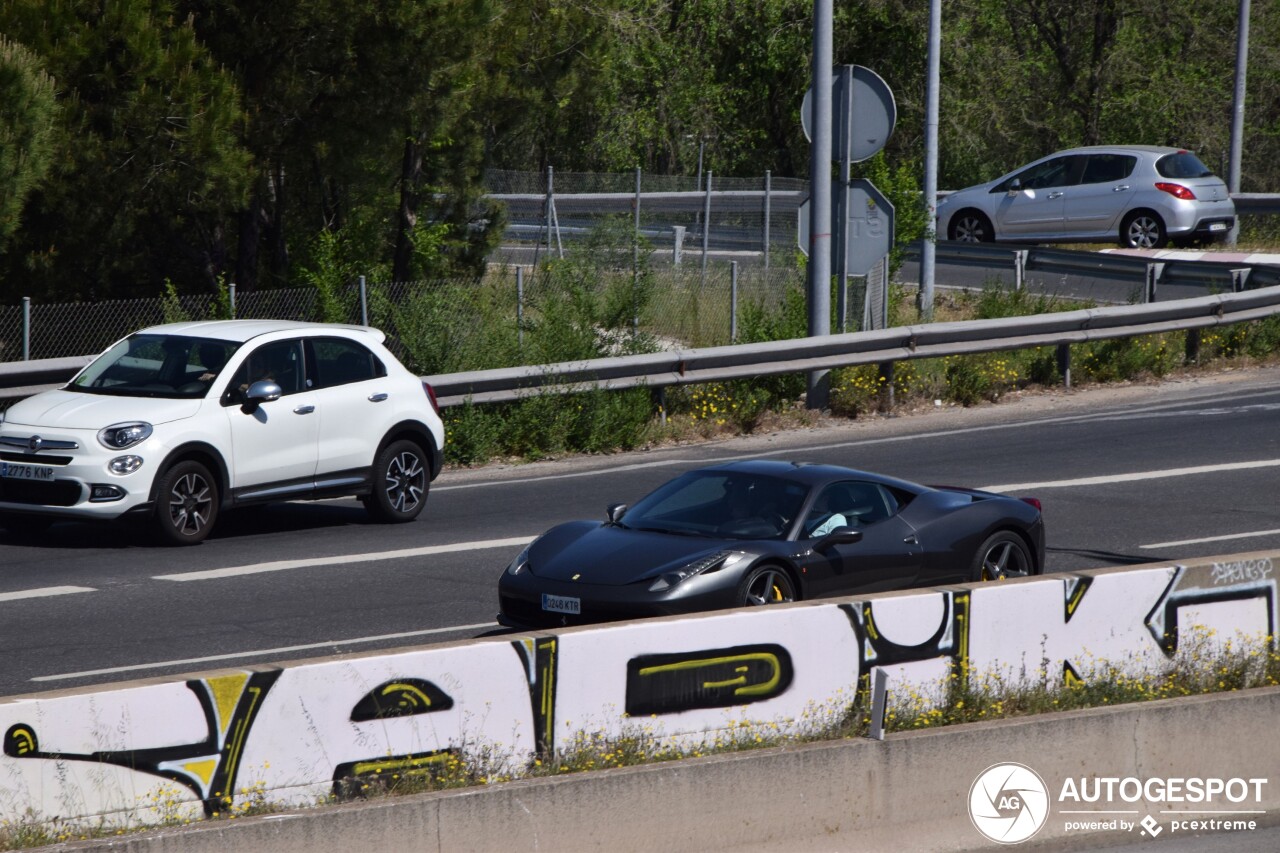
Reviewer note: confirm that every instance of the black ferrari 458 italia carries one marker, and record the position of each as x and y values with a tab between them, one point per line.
762	532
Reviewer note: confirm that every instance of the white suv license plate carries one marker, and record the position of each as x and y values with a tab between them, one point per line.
15	471
561	604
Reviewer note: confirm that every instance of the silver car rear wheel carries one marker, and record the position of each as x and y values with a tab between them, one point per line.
1143	229
970	226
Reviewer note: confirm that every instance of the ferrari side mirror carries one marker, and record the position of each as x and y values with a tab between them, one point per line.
614	512
839	536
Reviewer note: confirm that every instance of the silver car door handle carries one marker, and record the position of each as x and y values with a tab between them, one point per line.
303	410
1120	189
1055	195
911	540
377	398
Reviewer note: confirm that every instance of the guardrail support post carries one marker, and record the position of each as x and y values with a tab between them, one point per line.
1064	364
677	244
879	698
26	328
1020	269
886	392
231	298
1240	279
1154	273
1192	355
660	401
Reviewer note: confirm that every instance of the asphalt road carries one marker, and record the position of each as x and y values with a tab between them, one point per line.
1127	475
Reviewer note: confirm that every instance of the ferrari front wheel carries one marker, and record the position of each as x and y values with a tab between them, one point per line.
766	585
1003	555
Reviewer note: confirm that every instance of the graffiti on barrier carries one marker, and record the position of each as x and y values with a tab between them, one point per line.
309	729
208	768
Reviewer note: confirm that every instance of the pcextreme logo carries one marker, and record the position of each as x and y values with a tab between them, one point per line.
1008	803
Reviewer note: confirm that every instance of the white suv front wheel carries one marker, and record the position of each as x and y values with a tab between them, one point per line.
186	503
400	483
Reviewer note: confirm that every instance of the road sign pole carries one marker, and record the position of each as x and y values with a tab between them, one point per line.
846	174
819	283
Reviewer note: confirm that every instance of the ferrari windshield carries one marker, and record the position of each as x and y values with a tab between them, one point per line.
720	504
150	365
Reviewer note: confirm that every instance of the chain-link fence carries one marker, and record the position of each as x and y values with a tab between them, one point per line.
502	319
704	256
681	220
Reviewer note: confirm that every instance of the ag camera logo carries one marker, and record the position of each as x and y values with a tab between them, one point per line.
1008	803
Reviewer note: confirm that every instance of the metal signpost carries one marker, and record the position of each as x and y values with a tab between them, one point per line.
864	115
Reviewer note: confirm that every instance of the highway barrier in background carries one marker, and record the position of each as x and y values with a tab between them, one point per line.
169	750
717	364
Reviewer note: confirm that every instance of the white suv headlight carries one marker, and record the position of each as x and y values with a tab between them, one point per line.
120	436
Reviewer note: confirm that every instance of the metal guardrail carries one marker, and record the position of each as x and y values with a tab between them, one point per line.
1224	276
718	364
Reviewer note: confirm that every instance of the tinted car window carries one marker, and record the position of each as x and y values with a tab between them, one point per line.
280	362
338	361
1105	168
155	366
722	503
1058	172
860	503
1183	164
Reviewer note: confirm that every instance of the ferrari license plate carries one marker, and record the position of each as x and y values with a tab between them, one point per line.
1217	226
15	471
561	604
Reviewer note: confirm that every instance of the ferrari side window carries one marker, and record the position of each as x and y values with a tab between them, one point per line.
849	504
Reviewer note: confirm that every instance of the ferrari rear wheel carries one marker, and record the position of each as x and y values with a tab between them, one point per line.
1003	555
766	585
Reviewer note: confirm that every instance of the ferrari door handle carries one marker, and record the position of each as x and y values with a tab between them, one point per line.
1120	189
1055	195
911	540
303	410
377	398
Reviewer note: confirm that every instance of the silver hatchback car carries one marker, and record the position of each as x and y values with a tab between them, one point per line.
1144	196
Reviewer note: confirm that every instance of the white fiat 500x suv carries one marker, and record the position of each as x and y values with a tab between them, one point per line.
184	420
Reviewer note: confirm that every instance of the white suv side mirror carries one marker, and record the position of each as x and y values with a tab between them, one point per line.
262	391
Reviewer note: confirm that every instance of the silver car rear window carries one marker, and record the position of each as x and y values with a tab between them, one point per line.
1183	164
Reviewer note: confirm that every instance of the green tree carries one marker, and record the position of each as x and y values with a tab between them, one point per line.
27	112
145	159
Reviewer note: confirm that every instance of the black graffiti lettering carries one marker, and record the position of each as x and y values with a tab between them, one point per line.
711	678
402	697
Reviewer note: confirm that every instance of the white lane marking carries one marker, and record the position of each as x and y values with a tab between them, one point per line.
343	559
1212	539
257	652
1161	409
1138	475
43	592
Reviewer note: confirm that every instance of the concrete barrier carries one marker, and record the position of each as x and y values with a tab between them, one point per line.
906	793
165	750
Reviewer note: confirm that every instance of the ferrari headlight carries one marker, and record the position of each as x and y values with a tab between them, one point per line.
705	565
520	563
120	436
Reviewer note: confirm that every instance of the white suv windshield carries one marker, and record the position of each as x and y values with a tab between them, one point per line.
151	365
